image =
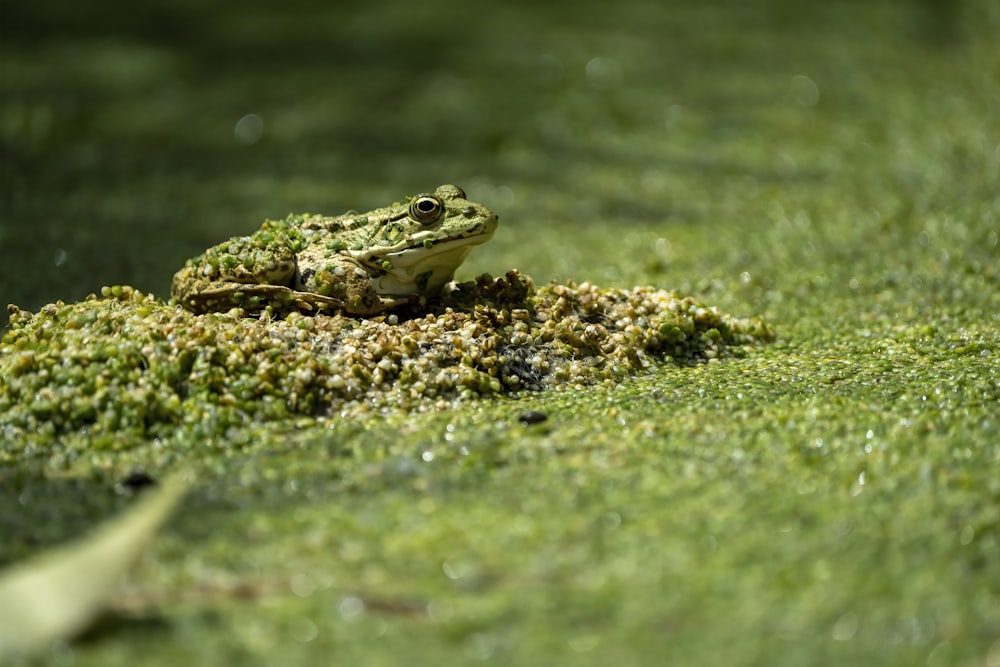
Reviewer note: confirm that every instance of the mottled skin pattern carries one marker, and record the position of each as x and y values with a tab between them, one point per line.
361	264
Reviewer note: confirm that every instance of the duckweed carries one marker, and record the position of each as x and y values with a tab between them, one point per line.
128	362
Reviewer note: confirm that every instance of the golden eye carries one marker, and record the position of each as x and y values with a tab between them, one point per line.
426	209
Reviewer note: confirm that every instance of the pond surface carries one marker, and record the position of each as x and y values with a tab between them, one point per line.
826	499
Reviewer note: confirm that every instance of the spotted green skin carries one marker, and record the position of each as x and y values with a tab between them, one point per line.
360	264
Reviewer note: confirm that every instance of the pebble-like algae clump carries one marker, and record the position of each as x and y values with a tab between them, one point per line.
128	362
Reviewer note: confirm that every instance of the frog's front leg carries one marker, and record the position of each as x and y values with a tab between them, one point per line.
347	281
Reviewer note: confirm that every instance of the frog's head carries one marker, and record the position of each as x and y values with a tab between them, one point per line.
419	248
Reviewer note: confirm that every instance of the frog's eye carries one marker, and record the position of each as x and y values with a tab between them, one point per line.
426	209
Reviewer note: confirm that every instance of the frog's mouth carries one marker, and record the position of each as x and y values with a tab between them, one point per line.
423	270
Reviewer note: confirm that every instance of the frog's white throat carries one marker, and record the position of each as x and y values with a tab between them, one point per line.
424	270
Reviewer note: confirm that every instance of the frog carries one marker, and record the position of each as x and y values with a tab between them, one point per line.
358	264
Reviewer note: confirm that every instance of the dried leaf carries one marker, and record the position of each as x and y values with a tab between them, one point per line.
57	594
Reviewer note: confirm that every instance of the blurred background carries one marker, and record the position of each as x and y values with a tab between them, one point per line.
135	136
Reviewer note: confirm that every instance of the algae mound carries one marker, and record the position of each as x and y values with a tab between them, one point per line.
128	362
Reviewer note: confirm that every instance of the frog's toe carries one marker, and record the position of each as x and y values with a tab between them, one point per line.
311	302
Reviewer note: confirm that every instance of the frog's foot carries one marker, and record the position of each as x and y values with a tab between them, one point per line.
390	302
312	302
368	302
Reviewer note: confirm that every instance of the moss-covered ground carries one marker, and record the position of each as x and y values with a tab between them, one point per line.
831	498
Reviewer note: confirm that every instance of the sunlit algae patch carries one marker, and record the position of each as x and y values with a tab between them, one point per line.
128	362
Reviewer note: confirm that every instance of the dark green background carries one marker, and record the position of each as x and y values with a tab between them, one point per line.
117	120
